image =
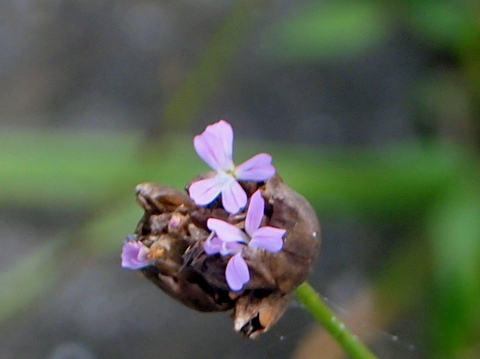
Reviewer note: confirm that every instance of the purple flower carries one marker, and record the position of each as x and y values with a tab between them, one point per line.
228	239
215	147
134	255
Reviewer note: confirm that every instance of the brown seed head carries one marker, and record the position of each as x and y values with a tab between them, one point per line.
174	229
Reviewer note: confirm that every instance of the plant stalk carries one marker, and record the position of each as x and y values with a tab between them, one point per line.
332	324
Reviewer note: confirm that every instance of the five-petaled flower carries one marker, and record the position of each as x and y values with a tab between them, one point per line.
215	147
134	254
228	239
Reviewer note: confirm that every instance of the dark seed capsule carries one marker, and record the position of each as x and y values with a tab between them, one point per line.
174	229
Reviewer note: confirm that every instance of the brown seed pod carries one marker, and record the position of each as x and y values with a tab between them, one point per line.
174	229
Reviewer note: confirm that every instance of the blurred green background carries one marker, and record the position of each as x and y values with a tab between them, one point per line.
370	109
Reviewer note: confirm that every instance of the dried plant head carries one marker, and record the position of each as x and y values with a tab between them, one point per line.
236	238
175	231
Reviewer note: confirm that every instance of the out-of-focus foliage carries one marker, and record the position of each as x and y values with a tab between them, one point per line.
431	183
449	103
454	234
329	31
405	180
339	29
451	25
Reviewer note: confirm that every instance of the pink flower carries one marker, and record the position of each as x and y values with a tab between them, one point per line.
215	147
228	239
134	255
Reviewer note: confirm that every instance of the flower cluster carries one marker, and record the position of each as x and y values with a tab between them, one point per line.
229	239
215	147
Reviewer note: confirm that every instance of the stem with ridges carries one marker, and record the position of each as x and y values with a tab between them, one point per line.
332	324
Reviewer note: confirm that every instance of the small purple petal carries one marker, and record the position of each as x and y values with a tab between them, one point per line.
216	245
234	197
175	220
232	247
257	168
134	255
237	272
215	145
269	238
203	192
213	245
254	213
226	232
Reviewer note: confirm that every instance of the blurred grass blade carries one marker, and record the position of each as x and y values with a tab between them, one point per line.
82	170
328	31
202	81
444	23
59	169
455	295
33	275
402	179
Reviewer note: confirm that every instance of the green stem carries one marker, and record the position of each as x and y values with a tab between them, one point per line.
332	324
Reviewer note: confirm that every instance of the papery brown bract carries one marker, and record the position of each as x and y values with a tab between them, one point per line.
174	229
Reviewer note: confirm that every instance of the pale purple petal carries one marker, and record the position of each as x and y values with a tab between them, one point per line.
257	168
213	245
254	213
134	255
237	272
269	238
225	231
203	192
234	197
232	247
215	145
